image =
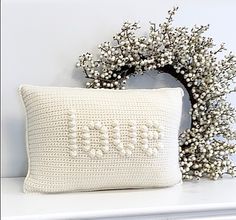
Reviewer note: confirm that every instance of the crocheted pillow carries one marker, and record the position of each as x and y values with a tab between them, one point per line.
86	139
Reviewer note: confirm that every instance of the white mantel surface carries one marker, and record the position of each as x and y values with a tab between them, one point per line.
190	200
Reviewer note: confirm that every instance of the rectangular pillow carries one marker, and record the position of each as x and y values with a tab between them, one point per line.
86	139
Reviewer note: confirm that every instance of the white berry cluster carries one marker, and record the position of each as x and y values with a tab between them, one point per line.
190	57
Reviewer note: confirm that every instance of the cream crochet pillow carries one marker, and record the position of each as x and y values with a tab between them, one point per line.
86	139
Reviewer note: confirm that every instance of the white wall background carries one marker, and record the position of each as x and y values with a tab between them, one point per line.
42	40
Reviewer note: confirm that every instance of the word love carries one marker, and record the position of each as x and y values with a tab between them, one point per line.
149	135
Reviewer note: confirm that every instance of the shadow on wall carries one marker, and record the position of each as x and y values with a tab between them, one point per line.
79	77
15	141
69	77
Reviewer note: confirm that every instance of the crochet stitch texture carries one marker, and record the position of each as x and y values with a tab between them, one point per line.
84	139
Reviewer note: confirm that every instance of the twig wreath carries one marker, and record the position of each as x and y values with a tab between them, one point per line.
205	147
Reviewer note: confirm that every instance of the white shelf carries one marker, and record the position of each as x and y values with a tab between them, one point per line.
203	200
